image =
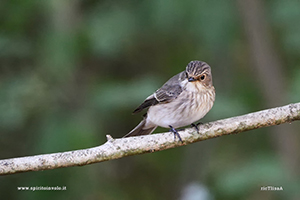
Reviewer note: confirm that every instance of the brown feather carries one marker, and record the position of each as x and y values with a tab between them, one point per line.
147	103
139	129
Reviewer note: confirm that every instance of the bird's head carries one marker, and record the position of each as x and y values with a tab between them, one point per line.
199	72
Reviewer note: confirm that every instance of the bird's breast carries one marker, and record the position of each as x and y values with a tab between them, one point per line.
187	108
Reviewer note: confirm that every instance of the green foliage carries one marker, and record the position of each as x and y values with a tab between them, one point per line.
244	178
73	71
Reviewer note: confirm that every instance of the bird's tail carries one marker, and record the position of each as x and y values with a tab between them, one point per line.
140	129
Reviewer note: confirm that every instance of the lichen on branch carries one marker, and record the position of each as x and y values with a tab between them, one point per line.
118	148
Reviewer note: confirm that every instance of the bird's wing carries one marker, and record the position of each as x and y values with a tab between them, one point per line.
150	101
169	91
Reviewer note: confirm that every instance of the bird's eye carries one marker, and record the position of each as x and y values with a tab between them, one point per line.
202	77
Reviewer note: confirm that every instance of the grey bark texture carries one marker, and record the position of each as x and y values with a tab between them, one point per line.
118	148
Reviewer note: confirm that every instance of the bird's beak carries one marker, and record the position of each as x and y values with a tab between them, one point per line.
191	79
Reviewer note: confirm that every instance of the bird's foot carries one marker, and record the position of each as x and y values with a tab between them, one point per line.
174	131
196	126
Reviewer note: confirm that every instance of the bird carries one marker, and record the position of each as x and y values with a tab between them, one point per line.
182	100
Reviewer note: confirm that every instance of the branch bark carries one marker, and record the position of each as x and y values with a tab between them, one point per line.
118	148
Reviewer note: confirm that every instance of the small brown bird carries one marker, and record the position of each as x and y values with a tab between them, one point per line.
181	101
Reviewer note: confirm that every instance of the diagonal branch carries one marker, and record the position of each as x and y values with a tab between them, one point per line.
118	148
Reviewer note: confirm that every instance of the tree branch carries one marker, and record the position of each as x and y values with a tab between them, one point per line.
118	148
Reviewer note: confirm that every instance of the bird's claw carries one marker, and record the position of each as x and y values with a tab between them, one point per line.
196	126
174	131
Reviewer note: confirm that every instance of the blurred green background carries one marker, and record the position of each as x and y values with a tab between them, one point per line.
72	71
